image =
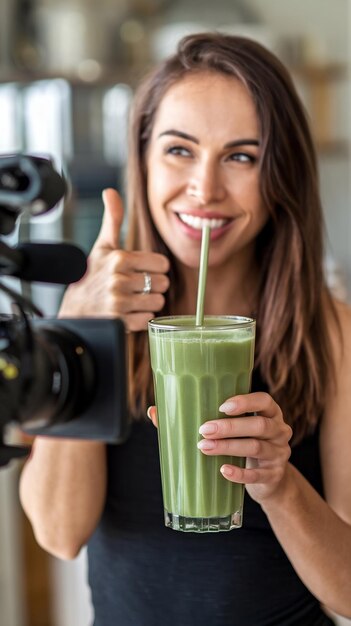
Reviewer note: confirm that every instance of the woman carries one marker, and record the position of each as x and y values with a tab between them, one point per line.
217	131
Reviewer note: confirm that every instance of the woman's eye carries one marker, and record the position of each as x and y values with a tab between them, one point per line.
177	151
242	157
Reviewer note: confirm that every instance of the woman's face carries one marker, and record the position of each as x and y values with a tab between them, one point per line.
203	164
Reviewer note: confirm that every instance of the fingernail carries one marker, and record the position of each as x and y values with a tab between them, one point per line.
228	406
227	470
208	429
148	412
206	444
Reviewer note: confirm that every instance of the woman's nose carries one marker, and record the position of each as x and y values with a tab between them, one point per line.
205	184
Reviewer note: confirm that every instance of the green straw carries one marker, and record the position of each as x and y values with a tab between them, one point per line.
201	288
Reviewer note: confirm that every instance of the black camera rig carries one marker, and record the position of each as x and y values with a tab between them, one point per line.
58	377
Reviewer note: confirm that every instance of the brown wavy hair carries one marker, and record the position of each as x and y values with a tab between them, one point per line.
293	349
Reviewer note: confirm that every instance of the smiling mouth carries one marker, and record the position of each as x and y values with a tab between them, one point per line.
199	222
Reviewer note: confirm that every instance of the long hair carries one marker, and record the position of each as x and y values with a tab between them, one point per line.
293	350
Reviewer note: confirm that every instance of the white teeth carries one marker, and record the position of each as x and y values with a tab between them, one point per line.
199	222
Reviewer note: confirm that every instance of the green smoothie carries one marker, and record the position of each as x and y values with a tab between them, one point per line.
195	369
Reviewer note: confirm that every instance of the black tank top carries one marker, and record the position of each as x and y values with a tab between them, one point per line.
144	574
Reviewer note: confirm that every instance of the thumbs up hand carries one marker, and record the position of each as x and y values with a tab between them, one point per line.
114	282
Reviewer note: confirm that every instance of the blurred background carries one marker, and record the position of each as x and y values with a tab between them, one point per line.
68	70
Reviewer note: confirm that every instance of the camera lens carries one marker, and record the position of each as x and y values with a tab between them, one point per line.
53	377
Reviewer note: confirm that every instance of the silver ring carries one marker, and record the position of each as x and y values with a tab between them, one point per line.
147	284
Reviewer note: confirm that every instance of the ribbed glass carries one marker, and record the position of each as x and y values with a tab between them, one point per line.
195	369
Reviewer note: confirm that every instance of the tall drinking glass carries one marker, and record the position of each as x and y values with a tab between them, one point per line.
195	369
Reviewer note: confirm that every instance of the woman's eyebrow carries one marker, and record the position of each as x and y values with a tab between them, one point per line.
230	144
242	142
179	133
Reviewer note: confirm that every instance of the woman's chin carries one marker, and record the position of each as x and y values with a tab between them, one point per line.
189	261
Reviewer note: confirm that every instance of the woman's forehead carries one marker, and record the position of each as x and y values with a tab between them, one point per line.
208	101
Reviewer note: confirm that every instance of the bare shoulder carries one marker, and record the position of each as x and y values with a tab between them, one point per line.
336	422
339	325
340	332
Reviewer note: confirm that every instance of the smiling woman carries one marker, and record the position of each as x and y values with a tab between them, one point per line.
217	136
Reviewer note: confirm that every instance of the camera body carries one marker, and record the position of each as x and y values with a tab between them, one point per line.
102	411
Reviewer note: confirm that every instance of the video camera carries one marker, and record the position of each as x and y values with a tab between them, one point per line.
58	377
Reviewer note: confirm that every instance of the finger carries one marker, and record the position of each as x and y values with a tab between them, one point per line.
147	303
255	448
152	414
251	476
259	402
109	235
138	261
134	283
135	322
250	426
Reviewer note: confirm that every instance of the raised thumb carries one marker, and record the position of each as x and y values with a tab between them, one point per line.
109	235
